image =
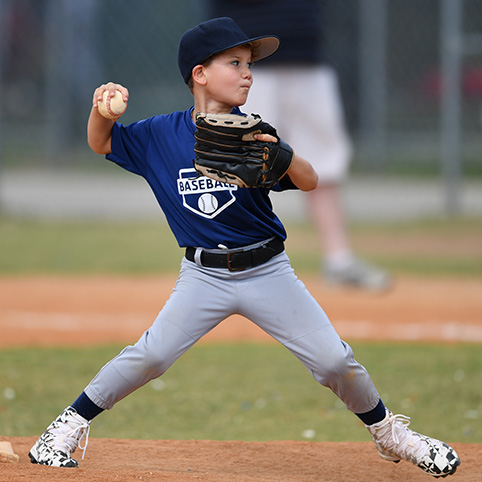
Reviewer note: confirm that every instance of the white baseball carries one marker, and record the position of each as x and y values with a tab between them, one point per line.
112	107
207	203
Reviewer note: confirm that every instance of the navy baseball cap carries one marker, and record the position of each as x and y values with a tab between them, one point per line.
215	36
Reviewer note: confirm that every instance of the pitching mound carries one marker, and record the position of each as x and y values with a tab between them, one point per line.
109	460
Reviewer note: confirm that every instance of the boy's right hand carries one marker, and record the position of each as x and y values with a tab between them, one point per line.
111	88
99	128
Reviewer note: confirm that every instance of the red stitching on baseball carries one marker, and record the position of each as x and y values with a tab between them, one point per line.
109	109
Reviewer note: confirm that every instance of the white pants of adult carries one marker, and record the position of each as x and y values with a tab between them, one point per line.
303	102
272	297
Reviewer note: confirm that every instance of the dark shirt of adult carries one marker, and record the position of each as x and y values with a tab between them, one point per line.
298	23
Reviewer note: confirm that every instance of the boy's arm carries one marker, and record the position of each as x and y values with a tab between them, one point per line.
99	129
302	174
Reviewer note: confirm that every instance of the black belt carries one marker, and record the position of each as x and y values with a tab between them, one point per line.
239	260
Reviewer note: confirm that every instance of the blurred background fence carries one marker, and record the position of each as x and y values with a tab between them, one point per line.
410	72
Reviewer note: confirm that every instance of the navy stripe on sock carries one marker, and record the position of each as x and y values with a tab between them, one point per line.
373	416
86	407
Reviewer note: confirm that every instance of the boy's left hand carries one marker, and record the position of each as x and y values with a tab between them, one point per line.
265	138
241	150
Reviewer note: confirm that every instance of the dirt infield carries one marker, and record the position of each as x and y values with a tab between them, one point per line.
88	310
119	460
72	311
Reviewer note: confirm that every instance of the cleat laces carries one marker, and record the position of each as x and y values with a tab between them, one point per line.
72	438
408	445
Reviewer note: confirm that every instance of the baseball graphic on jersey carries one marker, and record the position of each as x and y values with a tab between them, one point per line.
207	203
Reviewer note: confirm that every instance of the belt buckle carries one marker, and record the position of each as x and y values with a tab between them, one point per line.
228	260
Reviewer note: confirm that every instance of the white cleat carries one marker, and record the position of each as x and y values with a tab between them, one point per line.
395	441
60	440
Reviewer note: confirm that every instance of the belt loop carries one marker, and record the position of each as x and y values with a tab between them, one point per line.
197	256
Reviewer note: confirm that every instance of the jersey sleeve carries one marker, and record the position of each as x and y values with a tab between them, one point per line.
284	184
129	145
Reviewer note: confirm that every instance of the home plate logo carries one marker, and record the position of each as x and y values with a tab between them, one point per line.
202	195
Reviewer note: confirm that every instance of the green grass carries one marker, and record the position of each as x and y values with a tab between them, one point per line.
86	247
241	391
247	392
436	247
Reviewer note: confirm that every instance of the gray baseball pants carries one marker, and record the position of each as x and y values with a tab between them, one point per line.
272	297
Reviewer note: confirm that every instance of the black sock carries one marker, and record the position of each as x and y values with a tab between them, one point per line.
373	416
86	408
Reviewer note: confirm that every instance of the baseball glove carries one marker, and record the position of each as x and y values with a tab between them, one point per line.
227	151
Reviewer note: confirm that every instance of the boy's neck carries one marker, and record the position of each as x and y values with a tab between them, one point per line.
210	107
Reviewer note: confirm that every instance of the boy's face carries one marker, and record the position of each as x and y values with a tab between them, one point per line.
229	76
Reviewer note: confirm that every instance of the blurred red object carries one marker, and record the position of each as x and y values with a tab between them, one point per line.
431	84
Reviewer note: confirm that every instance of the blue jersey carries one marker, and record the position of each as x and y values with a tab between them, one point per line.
201	212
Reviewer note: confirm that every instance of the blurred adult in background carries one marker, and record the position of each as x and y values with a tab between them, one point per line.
297	92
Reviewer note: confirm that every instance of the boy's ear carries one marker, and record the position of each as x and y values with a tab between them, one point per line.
198	75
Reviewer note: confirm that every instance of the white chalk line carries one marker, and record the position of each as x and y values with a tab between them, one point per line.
434	330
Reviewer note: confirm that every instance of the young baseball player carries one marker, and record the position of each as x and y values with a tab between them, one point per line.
234	259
